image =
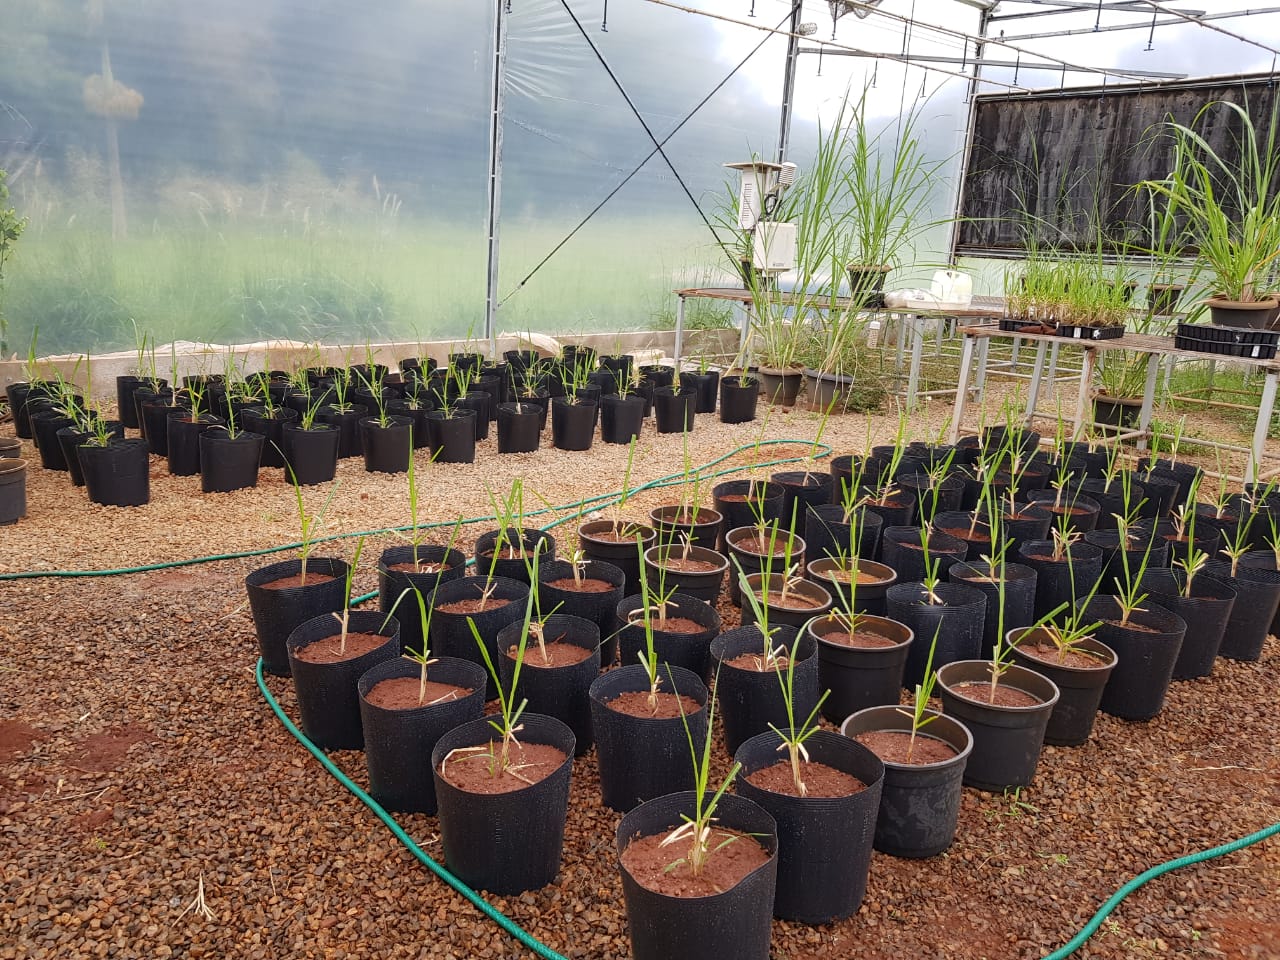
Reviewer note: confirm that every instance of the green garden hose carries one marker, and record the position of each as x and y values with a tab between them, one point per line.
508	925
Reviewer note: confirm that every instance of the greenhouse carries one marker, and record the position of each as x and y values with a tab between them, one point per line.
781	479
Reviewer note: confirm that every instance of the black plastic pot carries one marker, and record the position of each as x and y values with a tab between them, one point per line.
278	612
573	423
738	501
895	510
126	386
328	693
505	843
824	843
624	553
1111	498
1062	581
70	439
958	622
117	475
703	584
738	399
452	435
1083	511
861	598
673	523
18	395
871	470
1115	561
481	404
556	691
705	387
269	423
641	758
751	700
1007	740
44	428
1206	612
1019	596
1257	587
736	923
793	614
519	427
1079	687
827	535
1145	657
229	463
310	456
387	449
859	677
600	607
183	440
347	420
800	490
13	490
530	541
673	409
919	803
393	583
1264	559
689	650
621	418
1184	473
749	561
900	549
451	632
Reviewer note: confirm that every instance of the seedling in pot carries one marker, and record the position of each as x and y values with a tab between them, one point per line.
770	657
1238	543
817	441
417	533
692	486
621	528
697	830
649	655
508	724
344	618
930	579
509	513
309	524
421	657
652	599
794	737
919	713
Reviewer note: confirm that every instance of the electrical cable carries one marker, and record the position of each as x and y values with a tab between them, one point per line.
627	179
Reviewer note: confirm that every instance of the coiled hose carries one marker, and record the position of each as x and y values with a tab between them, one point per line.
573	509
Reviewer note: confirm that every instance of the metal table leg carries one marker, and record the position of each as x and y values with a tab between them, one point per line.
962	389
1263	426
1082	398
1053	367
917	351
679	345
1148	399
984	348
1033	391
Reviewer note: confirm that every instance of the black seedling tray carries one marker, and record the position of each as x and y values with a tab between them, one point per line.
1073	332
1227	341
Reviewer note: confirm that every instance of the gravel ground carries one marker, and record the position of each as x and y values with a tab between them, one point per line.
138	760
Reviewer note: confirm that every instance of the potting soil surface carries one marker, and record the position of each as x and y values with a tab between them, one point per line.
139	762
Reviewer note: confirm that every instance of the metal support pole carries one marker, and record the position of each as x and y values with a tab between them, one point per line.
1037	374
678	349
497	99
916	327
1148	399
789	79
962	388
984	350
979	46
1082	398
1263	426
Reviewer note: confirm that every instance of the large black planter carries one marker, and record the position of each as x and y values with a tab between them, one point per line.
689	650
919	803
347	420
452	435
126	386
1062	581
525	542
824	843
387	449
738	399
310	456
481	404
1257	597
229	463
859	676
450	630
673	410
519	427
591	603
863	597
900	549
621	418
392	584
641	758
736	923
70	440
1019	596
1206	612
600	540
117	475
957	621
1115	561
1081	511
703	584
705	387
277	612
13	490
44	428
328	693
742	503
751	700
1007	740
269	423
674	522
826	534
802	489
556	691
573	423
183	441
806	600
1145	657
504	842
1079	687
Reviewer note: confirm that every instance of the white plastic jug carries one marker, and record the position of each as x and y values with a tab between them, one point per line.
952	288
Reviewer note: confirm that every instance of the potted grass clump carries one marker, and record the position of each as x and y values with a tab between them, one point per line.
694	571
748	661
924	755
699	869
613	540
502	786
683	626
327	656
451	428
386	439
639	717
763	547
1203	602
823	792
406	705
229	457
505	552
574	414
622	412
688	519
309	447
861	659
344	414
590	589
840	540
484	603
1005	706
